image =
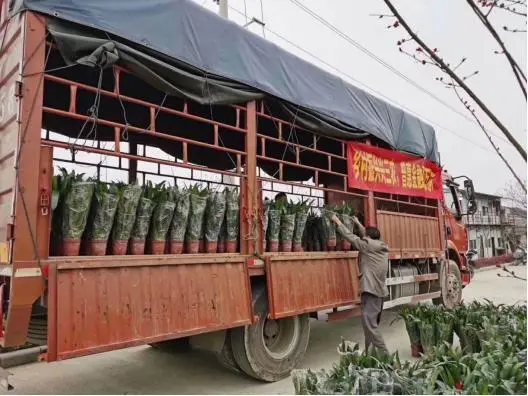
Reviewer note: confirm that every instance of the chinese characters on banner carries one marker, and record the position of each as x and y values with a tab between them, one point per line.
376	169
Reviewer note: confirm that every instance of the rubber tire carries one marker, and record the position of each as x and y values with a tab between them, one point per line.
250	353
443	299
179	345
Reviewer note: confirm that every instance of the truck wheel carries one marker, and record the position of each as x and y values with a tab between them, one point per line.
270	349
450	285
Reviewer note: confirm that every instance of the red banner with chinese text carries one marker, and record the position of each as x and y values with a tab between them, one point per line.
375	169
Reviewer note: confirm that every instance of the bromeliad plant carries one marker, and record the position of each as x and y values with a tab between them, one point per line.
125	217
301	210
215	215
164	198
152	195
102	213
499	368
195	224
179	220
71	197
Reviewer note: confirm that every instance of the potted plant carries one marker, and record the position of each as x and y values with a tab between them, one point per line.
411	319
102	214
145	208
125	217
301	216
198	202
329	228
287	224
74	204
215	213
345	213
162	216
179	220
274	221
232	220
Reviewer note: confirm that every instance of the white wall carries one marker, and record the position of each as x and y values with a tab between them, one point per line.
482	238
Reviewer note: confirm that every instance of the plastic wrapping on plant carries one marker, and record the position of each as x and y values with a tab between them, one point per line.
161	221
196	217
300	225
181	216
427	336
232	214
444	332
143	217
274	225
265	219
125	216
287	226
215	215
104	208
371	381
76	208
329	228
499	368
413	330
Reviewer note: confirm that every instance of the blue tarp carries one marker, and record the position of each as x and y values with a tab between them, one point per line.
189	51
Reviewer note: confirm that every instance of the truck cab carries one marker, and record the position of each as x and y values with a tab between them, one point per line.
456	231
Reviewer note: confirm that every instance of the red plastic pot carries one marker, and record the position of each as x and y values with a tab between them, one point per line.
231	246
137	247
331	245
286	246
176	247
119	248
157	247
192	247
211	246
416	350
71	247
297	247
345	245
96	247
273	246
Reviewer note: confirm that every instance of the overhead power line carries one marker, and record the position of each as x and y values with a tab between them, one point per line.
373	56
368	88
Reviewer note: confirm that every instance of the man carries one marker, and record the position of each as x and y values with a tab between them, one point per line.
281	197
373	263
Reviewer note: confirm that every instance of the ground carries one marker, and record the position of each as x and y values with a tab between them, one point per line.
145	370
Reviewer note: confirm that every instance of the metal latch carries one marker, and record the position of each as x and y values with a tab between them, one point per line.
44	202
19	89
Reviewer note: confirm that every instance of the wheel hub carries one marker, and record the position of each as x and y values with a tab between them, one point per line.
280	336
271	328
453	288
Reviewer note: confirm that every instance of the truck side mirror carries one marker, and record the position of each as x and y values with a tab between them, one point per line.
470	192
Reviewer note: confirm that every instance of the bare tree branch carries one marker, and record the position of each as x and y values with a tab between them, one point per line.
445	68
510	272
517	71
522	184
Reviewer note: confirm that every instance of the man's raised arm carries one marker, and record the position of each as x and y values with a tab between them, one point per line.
360	227
355	240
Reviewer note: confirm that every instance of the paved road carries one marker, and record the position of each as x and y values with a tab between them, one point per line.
144	370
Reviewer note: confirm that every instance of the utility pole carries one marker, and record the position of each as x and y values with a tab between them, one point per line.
223	8
223	11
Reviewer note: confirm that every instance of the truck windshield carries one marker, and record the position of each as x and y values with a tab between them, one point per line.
453	201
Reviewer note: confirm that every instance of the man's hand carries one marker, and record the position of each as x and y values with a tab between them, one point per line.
336	220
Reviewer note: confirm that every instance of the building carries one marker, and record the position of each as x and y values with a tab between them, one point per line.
486	229
514	226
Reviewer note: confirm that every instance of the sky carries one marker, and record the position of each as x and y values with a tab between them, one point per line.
448	25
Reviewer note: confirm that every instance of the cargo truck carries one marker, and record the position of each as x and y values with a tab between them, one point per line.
142	91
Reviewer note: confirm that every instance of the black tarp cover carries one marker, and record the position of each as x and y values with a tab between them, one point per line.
188	51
